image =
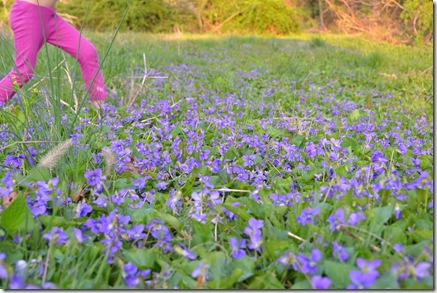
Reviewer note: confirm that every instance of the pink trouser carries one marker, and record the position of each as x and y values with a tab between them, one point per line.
33	24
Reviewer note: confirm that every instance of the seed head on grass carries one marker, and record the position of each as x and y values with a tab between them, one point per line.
109	159
52	157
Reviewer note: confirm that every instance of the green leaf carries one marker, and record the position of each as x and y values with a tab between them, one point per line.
52	221
423	195
33	175
274	248
232	153
380	216
224	176
272	215
215	180
258	160
283	184
341	171
121	183
338	273
421	234
297	140
182	280
255	208
139	215
302	285
188	267
395	235
349	142
308	176
20	116
219	265
423	224
266	281
226	283
142	258
176	130
12	253
414	249
188	186
425	162
275	132
17	217
387	281
246	264
425	283
202	233
355	115
171	220
245	216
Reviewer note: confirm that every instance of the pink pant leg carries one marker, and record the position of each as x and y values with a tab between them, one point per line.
28	39
66	37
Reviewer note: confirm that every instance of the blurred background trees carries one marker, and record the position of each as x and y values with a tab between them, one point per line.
398	21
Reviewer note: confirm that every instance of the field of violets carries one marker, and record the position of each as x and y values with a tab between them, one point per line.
222	162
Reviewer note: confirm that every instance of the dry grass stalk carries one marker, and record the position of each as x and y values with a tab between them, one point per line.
109	159
52	157
71	19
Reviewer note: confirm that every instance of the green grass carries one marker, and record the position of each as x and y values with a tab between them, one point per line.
385	81
401	69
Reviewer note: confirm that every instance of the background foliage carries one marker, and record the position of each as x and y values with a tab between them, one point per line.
397	21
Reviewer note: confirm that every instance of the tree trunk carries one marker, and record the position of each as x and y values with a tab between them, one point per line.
321	24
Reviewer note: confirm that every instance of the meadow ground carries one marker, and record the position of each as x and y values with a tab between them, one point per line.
221	162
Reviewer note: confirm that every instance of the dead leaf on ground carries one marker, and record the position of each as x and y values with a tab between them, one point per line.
78	195
7	201
131	168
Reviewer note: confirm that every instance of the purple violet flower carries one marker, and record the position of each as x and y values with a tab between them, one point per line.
129	275
253	230
184	251
78	235
398	247
362	280
422	270
3	271
237	248
307	216
161	185
95	177
201	271
230	215
398	212
16	161
339	252
319	282
309	265
83	209
355	218
57	234
288	259
336	219
367	276
136	233
368	266
248	160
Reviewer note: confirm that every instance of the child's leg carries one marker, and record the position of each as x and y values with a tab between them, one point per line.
28	39
66	37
